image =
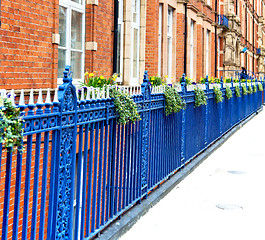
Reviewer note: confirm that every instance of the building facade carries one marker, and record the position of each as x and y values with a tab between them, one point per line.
165	37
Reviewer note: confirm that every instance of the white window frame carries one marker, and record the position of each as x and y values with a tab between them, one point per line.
121	24
169	43
191	48
207	52
73	6
135	25
160	39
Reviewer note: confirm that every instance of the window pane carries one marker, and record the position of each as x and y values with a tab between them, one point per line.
135	53
76	64
76	30
77	1
61	62
62	26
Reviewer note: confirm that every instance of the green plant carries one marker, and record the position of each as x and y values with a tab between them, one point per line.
228	92
237	91
125	106
244	90
255	88
11	125
218	94
250	90
260	87
156	81
174	102
200	97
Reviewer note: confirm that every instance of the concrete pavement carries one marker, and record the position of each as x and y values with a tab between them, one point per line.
224	198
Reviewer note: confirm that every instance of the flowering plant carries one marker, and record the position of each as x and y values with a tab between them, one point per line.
156	81
98	81
11	125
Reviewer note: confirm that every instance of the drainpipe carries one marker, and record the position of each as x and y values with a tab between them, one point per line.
185	41
215	40
115	43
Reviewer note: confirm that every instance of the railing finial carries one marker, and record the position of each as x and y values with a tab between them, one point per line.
67	74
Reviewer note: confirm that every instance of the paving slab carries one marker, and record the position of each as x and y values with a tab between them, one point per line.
223	198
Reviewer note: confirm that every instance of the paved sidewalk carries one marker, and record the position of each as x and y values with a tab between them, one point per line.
224	198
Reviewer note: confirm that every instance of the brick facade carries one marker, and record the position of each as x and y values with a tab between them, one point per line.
29	58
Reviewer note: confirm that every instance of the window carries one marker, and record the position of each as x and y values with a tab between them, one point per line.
135	42
191	47
207	52
169	43
160	39
120	42
209	2
71	30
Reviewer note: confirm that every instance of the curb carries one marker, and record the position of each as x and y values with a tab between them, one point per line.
129	218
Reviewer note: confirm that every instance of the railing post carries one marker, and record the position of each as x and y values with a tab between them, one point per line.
231	105
183	122
206	112
146	110
221	108
65	160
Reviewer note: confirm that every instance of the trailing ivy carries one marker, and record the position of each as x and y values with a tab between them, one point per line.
174	102
254	88
228	92
237	91
218	94
200	97
260	87
244	90
125	106
250	90
11	126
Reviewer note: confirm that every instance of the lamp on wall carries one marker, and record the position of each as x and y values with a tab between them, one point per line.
244	50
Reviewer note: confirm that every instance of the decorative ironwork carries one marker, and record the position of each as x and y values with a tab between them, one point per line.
146	91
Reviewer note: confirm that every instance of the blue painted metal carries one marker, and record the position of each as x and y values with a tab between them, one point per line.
116	165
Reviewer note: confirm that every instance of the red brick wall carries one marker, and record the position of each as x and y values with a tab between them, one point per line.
99	28
180	45
152	31
27	55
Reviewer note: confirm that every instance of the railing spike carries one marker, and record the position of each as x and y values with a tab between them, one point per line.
40	100
103	92
48	96
12	97
82	94
93	93
55	98
98	93
77	93
107	91
31	97
22	99
87	93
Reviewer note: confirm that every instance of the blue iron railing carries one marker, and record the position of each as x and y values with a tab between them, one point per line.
223	20
81	169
